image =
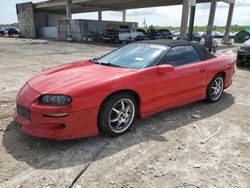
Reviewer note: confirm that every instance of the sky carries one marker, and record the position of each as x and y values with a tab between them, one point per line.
160	16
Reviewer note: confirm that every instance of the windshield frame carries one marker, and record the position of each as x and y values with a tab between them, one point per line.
153	63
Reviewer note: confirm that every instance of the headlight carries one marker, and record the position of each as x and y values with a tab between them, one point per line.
55	100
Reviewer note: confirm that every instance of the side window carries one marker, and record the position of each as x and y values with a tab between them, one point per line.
181	55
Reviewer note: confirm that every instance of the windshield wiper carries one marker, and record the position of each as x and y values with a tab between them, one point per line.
105	64
108	64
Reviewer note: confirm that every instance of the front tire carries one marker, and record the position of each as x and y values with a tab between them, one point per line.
215	89
117	114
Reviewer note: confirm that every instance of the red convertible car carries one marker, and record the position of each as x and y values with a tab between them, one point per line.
107	94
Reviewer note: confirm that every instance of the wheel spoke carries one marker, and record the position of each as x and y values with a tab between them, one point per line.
220	85
215	92
216	83
114	120
118	124
123	105
115	110
128	108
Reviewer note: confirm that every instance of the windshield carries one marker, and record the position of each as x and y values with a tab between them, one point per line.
137	55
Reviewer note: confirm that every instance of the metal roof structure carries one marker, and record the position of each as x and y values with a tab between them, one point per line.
81	6
27	17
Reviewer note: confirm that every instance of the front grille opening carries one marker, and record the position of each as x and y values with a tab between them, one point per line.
23	111
51	127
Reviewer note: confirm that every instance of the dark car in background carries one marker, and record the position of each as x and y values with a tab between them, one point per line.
1	31
110	35
196	37
154	34
166	33
9	32
243	54
142	37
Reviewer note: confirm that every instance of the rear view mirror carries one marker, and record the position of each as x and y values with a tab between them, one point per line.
165	68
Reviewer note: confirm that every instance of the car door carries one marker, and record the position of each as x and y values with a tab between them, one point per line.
185	83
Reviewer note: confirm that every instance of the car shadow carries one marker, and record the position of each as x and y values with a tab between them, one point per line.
49	154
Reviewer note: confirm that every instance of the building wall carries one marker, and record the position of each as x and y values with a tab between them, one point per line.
42	24
46	24
25	16
54	18
79	29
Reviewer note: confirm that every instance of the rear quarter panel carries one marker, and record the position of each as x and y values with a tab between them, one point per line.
221	64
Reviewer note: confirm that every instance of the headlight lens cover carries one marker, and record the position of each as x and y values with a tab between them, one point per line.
55	100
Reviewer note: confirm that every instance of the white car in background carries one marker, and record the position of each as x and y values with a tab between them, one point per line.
126	35
176	33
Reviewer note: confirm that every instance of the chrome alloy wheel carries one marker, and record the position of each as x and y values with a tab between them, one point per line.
217	89
122	115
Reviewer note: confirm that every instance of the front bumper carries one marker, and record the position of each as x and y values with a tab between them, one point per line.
34	119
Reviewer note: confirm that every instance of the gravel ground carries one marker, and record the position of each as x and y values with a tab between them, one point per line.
164	150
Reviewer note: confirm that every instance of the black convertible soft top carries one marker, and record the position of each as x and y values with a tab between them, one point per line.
204	54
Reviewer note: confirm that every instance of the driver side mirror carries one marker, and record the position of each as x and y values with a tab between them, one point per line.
162	69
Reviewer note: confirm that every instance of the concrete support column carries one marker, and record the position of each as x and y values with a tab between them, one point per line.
26	19
69	17
191	23
229	22
184	20
124	15
100	15
211	17
68	9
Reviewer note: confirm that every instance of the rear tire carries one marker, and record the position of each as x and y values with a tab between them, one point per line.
117	114
215	89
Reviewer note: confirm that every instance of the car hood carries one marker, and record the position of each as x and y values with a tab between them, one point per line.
62	79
